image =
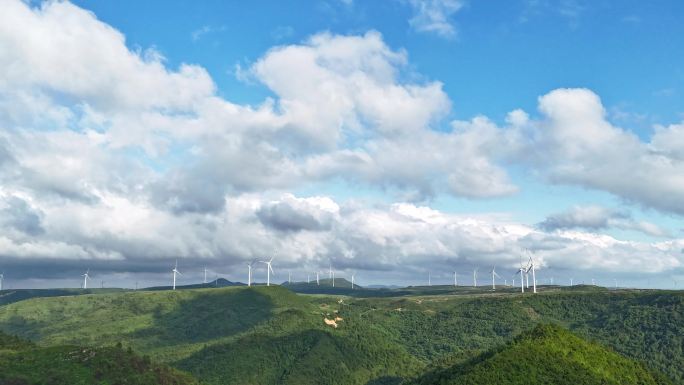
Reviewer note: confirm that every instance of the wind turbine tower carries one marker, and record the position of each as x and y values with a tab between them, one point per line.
249	273
269	269
2	278
317	281
175	271
455	279
494	275
352	281
205	274
522	280
474	277
86	277
429	279
534	279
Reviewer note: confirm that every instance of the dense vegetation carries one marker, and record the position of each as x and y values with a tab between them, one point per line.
23	363
547	354
264	335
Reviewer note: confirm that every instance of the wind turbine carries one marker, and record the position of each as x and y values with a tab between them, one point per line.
330	272
353	280
494	275
534	279
205	274
522	280
317	281
2	278
269	270
86	277
175	271
249	273
455	279
308	278
333	279
475	277
571	282
429	279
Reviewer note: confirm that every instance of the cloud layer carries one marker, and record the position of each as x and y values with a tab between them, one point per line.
111	159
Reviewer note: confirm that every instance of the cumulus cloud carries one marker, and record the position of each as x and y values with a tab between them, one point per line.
297	214
433	16
575	144
595	218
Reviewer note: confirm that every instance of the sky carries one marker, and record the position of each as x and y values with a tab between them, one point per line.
390	139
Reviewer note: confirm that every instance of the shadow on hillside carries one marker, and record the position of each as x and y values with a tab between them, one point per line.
22	327
208	316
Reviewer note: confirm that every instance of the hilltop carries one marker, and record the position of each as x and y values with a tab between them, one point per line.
219	282
23	363
548	354
15	295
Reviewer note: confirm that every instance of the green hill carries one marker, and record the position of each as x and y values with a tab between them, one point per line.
222	334
23	363
548	354
311	356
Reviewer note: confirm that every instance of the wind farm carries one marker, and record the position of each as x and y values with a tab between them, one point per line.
341	192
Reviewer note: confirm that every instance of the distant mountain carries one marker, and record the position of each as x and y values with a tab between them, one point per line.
384	286
547	354
23	363
215	283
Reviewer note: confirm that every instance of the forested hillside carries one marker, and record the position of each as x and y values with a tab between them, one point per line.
547	354
262	335
23	363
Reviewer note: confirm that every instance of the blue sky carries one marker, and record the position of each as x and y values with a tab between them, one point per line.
504	55
445	132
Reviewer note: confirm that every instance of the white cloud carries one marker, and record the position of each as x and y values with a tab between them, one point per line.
61	48
433	16
575	144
